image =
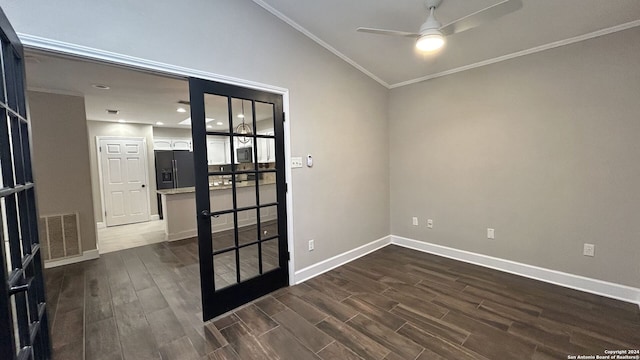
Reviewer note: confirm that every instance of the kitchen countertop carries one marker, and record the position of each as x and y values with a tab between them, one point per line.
186	190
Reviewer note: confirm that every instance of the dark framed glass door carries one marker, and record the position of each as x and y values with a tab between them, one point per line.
238	146
23	316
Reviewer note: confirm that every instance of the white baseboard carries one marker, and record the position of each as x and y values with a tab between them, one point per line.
86	255
154	217
577	282
101	225
338	260
187	234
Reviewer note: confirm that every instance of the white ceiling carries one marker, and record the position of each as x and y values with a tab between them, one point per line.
393	61
140	97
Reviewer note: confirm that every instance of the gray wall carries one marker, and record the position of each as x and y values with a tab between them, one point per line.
104	128
336	113
543	148
60	159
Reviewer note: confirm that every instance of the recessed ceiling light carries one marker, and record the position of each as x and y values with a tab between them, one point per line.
241	116
122	121
219	123
181	110
101	86
159	123
187	121
209	126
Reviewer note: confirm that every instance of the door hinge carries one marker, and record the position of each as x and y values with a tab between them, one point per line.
284	116
105	213
286	187
288	255
100	147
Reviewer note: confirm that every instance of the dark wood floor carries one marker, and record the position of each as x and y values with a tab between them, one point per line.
396	303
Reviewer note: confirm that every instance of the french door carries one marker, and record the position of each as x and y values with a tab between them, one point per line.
238	145
23	317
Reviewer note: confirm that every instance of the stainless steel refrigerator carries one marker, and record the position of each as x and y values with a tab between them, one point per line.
174	169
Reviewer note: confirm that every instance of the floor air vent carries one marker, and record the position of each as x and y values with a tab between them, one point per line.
60	236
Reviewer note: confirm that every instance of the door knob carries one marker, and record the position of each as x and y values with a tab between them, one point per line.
205	214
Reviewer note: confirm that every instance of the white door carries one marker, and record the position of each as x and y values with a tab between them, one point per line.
124	180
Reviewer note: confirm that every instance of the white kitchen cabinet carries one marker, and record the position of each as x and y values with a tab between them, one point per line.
162	144
172	144
217	151
181	144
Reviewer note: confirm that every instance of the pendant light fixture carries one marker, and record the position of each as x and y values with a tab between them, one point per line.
244	128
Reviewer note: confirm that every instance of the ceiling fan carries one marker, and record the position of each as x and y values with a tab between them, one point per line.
431	34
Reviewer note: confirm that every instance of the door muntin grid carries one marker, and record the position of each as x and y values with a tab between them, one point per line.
22	301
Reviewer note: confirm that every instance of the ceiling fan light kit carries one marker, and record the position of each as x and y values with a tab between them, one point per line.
431	35
431	40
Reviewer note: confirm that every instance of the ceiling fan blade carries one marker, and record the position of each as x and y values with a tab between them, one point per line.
479	17
388	32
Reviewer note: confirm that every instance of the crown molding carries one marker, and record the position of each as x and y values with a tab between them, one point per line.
319	41
517	54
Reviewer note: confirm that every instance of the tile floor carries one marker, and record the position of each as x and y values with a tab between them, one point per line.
122	237
395	303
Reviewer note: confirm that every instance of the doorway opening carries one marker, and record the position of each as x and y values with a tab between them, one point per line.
246	158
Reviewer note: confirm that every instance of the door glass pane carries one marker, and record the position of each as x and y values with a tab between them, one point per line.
242	118
266	150
270	255
247	228
267	188
224	269
249	262
218	153
216	109
264	118
5	233
222	222
245	190
268	222
223	239
14	317
220	195
244	153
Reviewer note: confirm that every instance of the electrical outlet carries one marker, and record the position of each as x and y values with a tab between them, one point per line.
311	245
491	233
415	221
589	250
296	162
430	223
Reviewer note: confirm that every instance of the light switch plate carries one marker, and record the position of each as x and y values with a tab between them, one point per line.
491	233
430	223
296	162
